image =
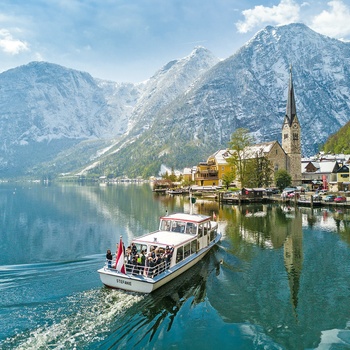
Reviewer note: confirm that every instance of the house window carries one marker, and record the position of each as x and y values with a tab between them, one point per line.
344	175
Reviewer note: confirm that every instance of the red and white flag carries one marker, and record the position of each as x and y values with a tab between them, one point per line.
119	260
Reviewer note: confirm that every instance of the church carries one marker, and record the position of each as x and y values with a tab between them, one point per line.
286	156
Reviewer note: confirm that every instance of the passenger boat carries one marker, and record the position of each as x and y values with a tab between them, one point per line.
181	241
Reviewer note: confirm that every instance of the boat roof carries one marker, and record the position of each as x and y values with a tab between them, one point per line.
164	238
197	218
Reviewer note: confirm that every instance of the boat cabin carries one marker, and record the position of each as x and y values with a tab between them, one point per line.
185	234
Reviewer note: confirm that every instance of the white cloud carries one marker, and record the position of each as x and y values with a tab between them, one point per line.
335	22
38	57
11	45
287	11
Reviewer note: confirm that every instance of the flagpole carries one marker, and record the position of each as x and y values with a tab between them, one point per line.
119	261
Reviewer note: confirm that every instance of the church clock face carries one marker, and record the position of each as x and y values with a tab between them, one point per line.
294	126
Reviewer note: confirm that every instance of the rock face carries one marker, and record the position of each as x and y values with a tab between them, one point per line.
54	119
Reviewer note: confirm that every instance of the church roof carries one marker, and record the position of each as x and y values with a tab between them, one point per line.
260	149
249	152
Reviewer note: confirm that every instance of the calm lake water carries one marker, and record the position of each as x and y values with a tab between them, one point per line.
279	279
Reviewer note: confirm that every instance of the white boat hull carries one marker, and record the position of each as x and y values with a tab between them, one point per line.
141	284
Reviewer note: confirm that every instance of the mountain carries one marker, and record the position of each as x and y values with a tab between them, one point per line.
46	108
249	90
171	81
54	119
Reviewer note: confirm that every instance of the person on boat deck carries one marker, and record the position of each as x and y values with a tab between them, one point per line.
133	249
142	258
135	269
153	253
109	258
129	255
168	253
141	261
149	266
158	260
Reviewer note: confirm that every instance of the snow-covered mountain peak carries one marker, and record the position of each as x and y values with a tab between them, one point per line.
168	83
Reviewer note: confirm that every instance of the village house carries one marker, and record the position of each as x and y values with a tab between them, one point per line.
317	174
211	172
326	171
342	173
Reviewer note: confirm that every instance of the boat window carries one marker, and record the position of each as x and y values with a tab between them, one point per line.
200	230
165	225
205	226
187	250
179	254
178	226
212	234
193	246
191	228
141	247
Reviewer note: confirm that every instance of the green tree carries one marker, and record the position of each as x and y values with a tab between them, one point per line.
228	178
264	171
172	177
282	179
258	171
240	142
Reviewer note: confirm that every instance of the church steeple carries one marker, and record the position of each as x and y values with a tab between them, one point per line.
291	109
291	136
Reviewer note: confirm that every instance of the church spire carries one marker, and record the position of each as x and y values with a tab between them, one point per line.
291	109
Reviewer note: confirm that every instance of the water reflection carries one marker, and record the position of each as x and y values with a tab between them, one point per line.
313	265
293	257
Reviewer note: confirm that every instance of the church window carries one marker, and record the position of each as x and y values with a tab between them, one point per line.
285	136
295	136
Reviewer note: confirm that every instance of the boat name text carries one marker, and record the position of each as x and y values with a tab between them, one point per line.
123	282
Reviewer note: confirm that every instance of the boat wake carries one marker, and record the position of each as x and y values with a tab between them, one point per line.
82	320
57	305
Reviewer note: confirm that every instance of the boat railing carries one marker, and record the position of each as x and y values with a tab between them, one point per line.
147	271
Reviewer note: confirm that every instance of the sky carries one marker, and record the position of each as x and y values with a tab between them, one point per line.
129	40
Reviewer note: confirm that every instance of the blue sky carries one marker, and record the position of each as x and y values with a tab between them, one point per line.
129	40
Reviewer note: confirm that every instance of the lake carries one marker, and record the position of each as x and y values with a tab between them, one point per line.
279	278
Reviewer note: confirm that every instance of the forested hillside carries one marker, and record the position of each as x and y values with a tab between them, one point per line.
339	142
